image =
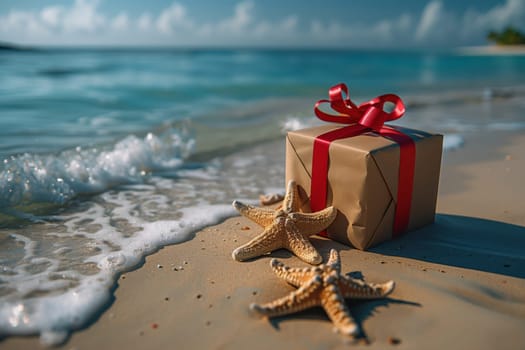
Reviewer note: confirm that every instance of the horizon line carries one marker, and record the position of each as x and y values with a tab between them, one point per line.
8	46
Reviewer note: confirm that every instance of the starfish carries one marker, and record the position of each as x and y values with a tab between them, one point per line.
322	286
284	227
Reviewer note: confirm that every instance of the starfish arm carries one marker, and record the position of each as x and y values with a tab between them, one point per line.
312	223
300	245
336	309
291	202
334	261
262	216
264	243
357	289
296	276
300	299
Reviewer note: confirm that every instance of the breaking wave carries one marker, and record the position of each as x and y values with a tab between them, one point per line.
57	178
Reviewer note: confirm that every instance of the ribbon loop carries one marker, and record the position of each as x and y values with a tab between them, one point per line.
369	114
373	118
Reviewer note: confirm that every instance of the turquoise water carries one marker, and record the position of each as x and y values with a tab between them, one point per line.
108	155
52	100
66	111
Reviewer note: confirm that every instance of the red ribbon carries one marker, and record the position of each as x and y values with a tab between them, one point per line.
367	117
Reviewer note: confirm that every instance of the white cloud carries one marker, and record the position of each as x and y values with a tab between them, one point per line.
396	31
84	22
83	17
22	23
431	17
242	16
512	12
242	26
52	15
439	26
51	22
172	18
144	22
120	22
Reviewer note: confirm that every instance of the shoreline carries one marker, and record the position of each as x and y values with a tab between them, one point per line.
449	274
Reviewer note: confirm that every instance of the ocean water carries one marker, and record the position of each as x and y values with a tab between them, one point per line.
108	155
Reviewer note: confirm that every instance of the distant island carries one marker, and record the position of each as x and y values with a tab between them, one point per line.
508	36
13	47
509	41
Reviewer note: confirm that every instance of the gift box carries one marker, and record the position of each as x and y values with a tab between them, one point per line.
382	179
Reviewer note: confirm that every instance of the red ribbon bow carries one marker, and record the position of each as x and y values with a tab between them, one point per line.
370	114
367	117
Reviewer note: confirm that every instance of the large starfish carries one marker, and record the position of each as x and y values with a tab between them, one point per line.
284	228
322	286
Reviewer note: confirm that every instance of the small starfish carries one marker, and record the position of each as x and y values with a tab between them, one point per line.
284	228
322	286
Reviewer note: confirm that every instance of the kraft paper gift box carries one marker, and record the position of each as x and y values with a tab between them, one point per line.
363	178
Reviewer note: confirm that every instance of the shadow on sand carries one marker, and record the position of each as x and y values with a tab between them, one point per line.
359	309
465	242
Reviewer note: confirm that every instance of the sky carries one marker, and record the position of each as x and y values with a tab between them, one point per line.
257	23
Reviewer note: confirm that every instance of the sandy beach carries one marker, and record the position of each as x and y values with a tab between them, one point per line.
460	282
494	50
128	130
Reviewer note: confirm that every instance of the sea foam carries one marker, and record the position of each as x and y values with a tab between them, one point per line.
57	275
452	142
57	178
38	302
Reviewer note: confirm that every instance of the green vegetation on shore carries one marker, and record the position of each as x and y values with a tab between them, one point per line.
508	36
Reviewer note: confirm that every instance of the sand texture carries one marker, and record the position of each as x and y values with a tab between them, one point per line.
460	282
